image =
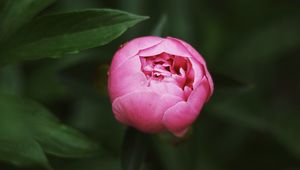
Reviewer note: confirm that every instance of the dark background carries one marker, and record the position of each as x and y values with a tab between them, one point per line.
251	122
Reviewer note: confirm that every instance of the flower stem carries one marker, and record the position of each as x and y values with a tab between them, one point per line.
133	150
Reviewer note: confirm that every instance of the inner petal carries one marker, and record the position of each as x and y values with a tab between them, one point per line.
167	68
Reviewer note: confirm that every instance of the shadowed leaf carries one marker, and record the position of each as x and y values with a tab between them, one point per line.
67	33
15	13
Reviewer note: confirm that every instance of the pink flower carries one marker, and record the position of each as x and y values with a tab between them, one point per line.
158	84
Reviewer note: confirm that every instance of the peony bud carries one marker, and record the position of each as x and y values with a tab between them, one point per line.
158	84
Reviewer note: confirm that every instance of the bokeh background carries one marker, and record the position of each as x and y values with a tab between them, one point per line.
253	119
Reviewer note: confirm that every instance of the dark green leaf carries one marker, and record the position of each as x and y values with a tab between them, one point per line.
67	33
63	141
54	137
17	144
11	80
93	114
134	149
27	128
15	13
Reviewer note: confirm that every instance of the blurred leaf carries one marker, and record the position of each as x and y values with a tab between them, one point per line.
54	137
15	13
286	130
67	33
222	80
236	108
249	109
93	115
17	144
225	88
261	48
52	71
134	149
63	141
41	128
285	125
45	86
180	24
160	26
11	80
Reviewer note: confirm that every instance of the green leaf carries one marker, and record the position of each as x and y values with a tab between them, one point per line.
17	144
26	123
11	80
55	137
63	141
54	72
66	33
134	149
15	13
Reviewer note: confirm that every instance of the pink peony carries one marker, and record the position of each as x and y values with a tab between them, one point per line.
158	84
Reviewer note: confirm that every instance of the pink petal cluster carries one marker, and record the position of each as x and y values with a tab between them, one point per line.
158	84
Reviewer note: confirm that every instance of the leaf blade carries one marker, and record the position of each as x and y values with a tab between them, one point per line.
16	13
64	33
55	137
27	129
17	145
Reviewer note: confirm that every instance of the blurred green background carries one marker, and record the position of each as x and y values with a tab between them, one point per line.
252	121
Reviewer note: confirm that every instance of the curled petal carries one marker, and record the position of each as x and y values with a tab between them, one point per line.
166	46
199	95
198	57
143	110
131	48
198	72
178	118
190	49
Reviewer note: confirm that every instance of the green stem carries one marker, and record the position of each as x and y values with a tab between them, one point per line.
134	149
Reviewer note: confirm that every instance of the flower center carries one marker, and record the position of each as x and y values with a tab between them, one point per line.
168	68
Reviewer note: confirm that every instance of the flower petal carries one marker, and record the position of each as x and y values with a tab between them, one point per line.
166	88
199	95
198	71
126	79
198	57
131	48
143	110
190	49
179	117
166	46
